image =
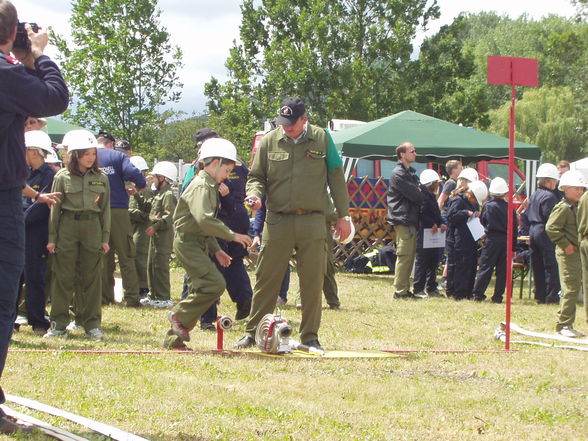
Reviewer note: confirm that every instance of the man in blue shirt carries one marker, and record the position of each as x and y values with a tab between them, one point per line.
33	87
118	168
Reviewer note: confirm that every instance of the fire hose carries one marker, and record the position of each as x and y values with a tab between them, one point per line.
272	336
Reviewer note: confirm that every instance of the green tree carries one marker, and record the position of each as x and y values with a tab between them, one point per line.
549	117
339	56
120	67
443	78
176	140
449	80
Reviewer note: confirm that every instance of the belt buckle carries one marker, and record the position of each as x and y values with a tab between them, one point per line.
299	211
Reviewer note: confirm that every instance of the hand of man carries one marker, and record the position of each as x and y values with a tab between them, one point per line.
49	198
570	249
242	239
255	243
443	228
342	228
150	231
223	258
434	229
105	247
51	247
253	202
39	42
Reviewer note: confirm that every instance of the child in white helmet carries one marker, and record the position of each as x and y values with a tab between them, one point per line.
494	218
427	259
462	256
161	233
562	229
195	241
79	229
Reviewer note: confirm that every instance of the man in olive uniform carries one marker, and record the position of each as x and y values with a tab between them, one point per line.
293	168
562	229
330	289
583	237
119	169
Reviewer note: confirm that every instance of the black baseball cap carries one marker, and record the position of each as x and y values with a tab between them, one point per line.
107	135
290	110
205	133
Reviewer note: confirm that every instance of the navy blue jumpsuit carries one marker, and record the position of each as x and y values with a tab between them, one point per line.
427	259
543	263
494	218
36	232
462	250
234	215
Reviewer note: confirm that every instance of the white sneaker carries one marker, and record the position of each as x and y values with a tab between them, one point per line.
55	333
145	301
95	334
21	320
569	331
72	327
163	304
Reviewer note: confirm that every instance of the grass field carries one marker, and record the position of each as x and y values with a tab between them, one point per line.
534	393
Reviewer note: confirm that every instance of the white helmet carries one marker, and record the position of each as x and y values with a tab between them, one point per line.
139	162
166	169
79	140
52	158
498	186
218	148
36	139
469	173
479	189
547	171
429	176
572	178
349	238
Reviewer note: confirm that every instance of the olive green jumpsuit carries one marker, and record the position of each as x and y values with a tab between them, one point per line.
139	209
294	177
562	229
196	229
583	238
79	225
163	205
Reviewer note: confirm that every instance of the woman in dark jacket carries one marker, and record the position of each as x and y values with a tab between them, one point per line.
462	257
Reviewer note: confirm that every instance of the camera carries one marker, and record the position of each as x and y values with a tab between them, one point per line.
22	38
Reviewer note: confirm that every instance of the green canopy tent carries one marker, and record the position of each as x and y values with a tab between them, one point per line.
433	138
56	129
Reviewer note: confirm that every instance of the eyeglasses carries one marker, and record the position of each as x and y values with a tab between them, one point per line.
31	122
411	151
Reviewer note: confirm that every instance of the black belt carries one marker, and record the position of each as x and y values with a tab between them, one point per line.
299	211
81	215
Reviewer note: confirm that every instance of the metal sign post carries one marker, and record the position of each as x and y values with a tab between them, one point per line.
516	72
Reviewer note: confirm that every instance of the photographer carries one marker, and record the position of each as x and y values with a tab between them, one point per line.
33	88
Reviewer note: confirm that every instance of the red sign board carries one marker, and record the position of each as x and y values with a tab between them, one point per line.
513	70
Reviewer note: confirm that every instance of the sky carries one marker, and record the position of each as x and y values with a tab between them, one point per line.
205	31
